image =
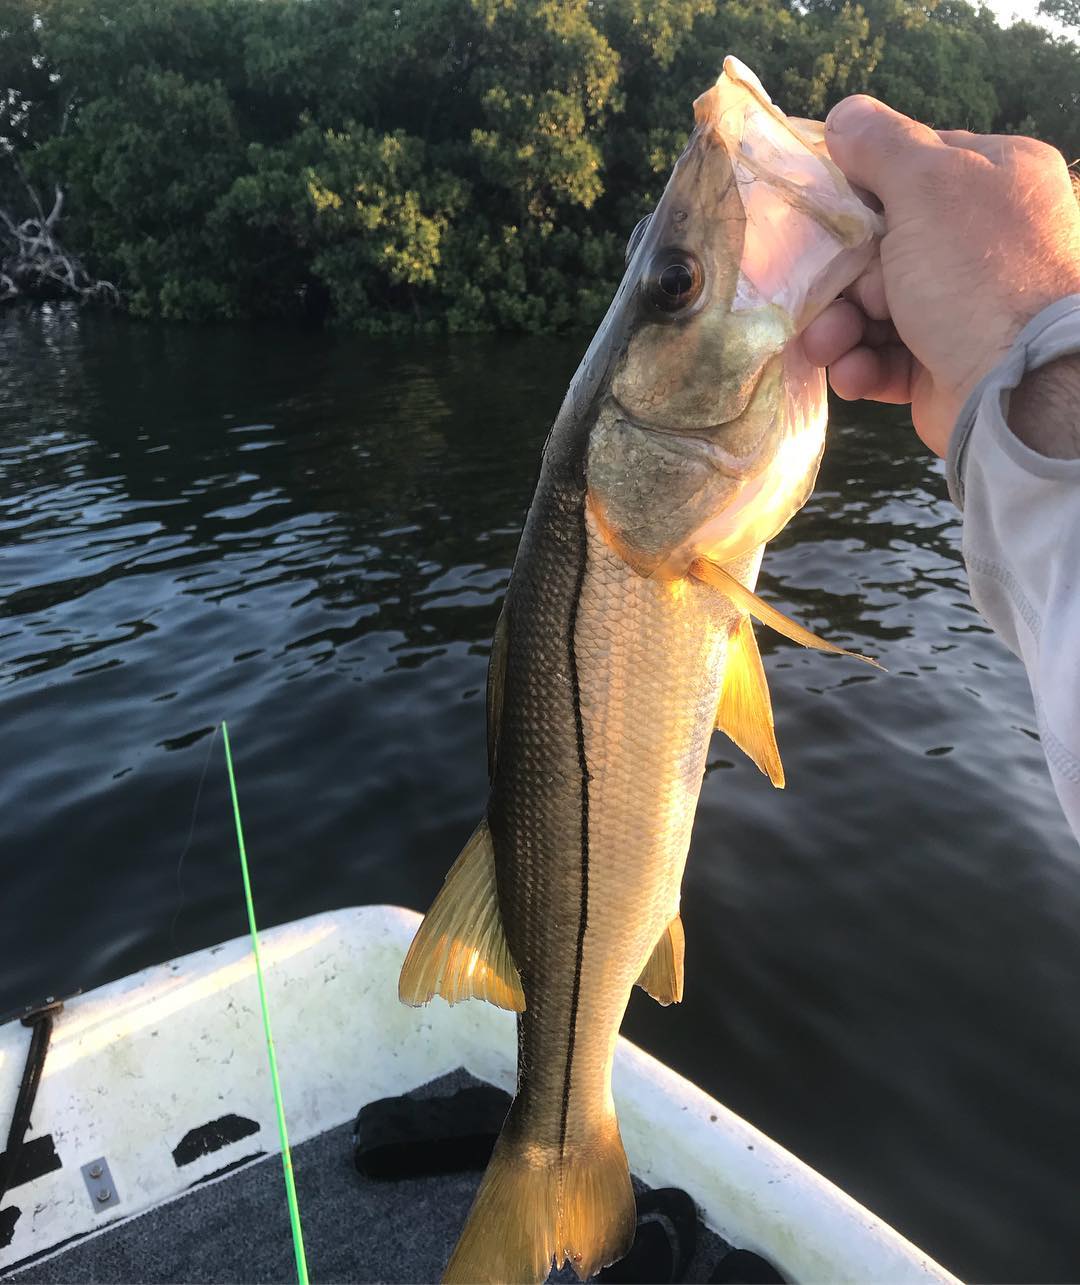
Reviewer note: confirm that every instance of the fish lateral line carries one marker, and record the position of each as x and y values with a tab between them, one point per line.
586	778
716	577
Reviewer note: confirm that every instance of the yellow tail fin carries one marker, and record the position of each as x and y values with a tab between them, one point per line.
597	1214
533	1208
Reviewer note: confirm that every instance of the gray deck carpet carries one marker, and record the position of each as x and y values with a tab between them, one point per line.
237	1228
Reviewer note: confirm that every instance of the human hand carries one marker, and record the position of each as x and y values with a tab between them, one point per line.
982	233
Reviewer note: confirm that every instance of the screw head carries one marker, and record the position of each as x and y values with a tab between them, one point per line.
104	1195
94	1171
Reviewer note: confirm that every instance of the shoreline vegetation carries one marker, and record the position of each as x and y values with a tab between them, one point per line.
428	166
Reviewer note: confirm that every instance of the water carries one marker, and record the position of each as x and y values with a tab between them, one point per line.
311	537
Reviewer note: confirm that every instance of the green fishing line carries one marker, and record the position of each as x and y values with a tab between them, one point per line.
279	1106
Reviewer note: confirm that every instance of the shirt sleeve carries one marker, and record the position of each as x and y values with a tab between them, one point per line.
1021	541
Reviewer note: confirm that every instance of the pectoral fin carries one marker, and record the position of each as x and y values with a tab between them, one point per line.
460	950
662	976
745	712
715	576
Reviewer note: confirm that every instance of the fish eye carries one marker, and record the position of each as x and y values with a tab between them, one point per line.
635	237
674	280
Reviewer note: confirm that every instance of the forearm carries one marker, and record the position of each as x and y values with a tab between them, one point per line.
1014	468
1044	410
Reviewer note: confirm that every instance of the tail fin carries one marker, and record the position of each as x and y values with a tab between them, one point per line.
597	1214
533	1207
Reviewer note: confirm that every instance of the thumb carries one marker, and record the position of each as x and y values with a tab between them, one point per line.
878	148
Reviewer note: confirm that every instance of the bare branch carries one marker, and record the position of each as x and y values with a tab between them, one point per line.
34	265
58	205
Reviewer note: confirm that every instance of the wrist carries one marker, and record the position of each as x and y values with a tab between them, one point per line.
1044	409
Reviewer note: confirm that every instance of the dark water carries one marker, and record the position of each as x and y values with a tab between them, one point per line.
311	537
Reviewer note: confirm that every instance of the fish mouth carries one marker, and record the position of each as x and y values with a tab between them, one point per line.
699	443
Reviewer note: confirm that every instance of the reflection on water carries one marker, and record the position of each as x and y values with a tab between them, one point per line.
311	537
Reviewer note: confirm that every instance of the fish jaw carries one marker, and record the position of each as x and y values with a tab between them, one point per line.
810	233
772	232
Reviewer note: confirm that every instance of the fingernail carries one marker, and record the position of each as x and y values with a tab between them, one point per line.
846	114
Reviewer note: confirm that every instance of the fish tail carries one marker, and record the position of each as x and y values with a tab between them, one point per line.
597	1214
534	1207
510	1234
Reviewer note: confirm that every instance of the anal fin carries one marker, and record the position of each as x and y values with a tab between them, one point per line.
460	951
745	712
662	976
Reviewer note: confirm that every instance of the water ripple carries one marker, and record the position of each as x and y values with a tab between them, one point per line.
312	537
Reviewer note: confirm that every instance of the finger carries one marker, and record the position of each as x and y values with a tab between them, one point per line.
880	374
838	329
995	147
877	147
988	145
868	291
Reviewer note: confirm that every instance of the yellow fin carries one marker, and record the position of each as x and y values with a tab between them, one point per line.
715	576
597	1214
511	1229
535	1206
662	976
745	712
496	685
460	950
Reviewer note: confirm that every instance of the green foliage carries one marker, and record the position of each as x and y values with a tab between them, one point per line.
30	99
1038	88
441	164
1066	12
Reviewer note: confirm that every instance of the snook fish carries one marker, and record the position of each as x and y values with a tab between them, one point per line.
690	434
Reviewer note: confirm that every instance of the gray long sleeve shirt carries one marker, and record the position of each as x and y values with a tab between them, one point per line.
1021	541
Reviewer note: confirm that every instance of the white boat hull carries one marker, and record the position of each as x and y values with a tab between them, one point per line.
139	1065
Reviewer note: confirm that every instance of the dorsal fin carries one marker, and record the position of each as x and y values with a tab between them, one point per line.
460	950
745	712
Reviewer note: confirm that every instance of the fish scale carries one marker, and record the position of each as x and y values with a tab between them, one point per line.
650	663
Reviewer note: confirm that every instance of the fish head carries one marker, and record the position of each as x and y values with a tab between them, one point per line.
707	422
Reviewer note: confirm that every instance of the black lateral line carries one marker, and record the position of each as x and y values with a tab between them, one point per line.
583	917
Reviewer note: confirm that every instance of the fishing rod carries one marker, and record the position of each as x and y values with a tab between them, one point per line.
279	1106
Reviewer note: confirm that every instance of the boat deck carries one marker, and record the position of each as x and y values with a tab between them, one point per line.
235	1227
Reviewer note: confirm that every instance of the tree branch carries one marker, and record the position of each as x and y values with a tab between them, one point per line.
34	265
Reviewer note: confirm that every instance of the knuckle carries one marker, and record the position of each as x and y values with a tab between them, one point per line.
1034	149
1035	165
908	141
943	177
913	167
